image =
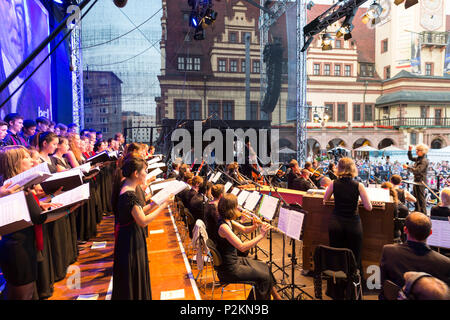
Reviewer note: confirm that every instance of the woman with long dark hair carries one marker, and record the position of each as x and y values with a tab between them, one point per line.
131	277
241	268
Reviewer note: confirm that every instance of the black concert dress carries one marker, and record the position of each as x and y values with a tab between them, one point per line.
235	268
131	273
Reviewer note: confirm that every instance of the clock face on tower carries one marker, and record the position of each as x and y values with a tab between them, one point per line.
431	14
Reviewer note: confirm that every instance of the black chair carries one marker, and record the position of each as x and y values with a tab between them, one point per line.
338	266
217	261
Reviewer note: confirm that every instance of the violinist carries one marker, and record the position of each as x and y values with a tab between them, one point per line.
332	171
314	169
302	182
292	172
233	171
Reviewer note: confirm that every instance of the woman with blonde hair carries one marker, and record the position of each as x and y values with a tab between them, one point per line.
344	227
74	155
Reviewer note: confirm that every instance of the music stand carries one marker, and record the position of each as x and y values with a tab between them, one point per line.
293	286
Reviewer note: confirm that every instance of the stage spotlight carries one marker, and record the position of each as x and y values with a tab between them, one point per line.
326	42
408	3
316	118
372	13
345	31
59	1
120	3
310	5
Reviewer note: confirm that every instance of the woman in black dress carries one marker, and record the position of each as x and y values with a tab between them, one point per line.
344	227
18	250
241	268
131	277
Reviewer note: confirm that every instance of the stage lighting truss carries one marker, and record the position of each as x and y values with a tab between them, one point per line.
408	3
341	9
202	15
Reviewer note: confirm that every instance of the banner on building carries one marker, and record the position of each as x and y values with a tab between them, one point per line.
415	54
447	56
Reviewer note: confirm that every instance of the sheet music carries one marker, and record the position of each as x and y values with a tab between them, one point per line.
216	177
378	194
440	237
174	188
291	222
242	197
84	167
158	186
156	165
154	173
252	200
26	176
235	191
227	186
154	160
64	174
14	208
268	207
73	196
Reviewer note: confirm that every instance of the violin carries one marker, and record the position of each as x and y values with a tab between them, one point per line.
257	177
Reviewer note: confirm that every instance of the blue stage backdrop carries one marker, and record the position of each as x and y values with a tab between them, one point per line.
23	26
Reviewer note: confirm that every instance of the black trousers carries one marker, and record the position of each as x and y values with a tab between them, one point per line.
346	232
421	203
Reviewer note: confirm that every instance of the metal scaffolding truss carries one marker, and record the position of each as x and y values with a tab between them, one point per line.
77	77
265	22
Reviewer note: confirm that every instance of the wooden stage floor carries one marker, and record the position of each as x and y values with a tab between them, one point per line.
171	274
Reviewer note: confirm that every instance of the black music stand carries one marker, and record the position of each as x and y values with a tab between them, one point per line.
293	286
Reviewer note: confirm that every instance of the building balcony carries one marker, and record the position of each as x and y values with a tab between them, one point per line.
413	122
430	38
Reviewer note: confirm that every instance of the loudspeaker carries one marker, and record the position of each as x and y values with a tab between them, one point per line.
120	3
273	57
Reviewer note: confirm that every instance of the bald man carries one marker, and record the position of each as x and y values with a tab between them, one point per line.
414	255
425	287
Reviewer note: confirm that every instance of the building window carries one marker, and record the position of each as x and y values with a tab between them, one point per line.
189	64
105	130
387	72
243	66
326	69
356	112
341	112
233	37
337	69
413	138
384	46
329	110
214	108
233	66
368	112
316	70
194	110
337	44
228	107
423	112
196	64
180	109
244	35
180	63
366	69
347	70
429	69
254	110
256	66
222	65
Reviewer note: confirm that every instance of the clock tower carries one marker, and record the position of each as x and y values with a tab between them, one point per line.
412	39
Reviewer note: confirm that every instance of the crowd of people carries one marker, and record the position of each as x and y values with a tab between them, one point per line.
34	258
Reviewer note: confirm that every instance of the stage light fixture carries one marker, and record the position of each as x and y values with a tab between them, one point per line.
120	3
373	13
326	42
316	118
310	5
408	3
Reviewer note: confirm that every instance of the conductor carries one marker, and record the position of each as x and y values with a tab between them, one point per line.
419	170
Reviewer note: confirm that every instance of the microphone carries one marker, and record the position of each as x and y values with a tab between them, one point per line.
182	124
